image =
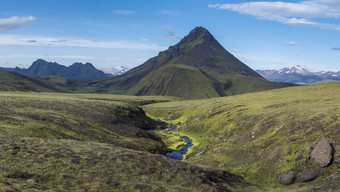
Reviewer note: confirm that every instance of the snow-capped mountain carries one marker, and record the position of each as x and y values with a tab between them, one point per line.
299	75
115	70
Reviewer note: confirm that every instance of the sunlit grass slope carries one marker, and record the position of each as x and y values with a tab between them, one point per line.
257	135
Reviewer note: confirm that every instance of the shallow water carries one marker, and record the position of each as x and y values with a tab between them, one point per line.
182	149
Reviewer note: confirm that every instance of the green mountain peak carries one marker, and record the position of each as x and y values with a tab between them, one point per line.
200	33
196	67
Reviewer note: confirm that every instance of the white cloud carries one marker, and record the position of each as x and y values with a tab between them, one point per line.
114	70
291	43
124	12
15	22
64	42
301	13
170	12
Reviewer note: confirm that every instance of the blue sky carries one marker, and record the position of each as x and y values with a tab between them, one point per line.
107	33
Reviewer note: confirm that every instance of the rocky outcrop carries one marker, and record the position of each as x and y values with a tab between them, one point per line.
307	174
322	153
287	178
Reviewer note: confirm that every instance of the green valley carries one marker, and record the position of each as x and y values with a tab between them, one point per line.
94	142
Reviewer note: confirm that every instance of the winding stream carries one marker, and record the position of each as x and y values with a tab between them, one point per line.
182	149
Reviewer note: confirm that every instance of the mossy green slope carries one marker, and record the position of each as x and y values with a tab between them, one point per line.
169	80
220	72
257	135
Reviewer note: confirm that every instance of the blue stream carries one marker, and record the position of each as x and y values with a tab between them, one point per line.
182	149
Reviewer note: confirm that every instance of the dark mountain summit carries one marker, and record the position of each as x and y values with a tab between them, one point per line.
201	49
77	71
196	67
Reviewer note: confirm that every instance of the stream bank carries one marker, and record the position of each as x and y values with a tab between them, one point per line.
181	150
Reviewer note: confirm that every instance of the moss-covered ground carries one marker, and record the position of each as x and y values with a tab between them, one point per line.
257	135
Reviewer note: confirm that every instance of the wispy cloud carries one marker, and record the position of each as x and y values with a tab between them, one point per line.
60	42
124	12
15	22
170	12
301	13
336	48
48	56
171	33
291	43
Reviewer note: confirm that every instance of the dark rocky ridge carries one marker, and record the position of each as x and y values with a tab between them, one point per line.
77	71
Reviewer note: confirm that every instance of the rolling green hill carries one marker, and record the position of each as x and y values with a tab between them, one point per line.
197	67
262	135
10	81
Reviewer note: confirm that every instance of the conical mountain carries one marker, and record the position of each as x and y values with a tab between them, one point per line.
196	67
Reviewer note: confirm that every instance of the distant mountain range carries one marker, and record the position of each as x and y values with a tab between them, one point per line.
298	75
77	71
